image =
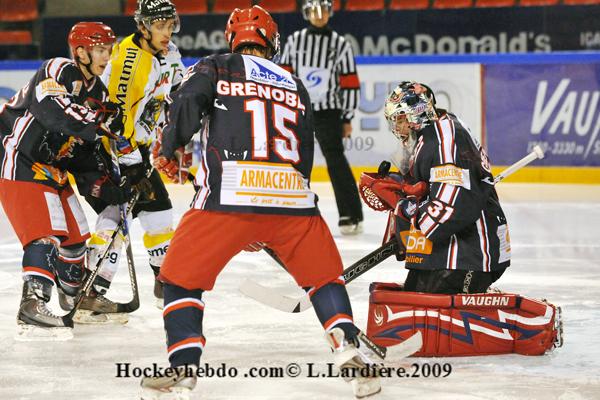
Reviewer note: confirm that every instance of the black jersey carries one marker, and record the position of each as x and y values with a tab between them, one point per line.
461	224
258	135
43	123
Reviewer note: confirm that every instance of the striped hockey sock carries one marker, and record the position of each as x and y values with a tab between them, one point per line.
182	316
332	305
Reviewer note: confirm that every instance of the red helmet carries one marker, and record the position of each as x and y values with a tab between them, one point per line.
252	26
88	34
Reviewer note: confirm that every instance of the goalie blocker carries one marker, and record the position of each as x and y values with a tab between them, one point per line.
464	324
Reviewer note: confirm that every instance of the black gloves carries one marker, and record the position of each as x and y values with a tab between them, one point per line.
107	191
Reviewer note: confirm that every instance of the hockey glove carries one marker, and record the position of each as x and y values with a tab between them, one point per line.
113	117
105	190
168	167
177	169
406	208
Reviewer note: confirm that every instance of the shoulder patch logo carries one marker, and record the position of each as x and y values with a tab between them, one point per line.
263	71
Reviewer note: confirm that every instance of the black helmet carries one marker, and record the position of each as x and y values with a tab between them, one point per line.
149	11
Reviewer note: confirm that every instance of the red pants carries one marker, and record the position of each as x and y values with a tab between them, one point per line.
36	211
205	241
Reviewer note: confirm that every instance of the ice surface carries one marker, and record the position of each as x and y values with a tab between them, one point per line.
555	233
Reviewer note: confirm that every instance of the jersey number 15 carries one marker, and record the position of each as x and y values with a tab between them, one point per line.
285	144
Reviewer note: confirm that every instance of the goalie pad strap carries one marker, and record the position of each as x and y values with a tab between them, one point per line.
462	325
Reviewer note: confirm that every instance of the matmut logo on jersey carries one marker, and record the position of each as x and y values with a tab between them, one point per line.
264	71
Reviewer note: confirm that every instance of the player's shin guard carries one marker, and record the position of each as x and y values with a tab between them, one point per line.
69	273
182	316
39	258
108	268
157	244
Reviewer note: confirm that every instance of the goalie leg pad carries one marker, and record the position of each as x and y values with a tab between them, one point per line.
463	325
183	314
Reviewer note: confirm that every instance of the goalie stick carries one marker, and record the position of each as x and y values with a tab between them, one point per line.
272	298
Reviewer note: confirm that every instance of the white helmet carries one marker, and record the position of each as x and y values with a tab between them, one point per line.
409	107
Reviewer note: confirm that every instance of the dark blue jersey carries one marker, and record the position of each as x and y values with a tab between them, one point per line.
460	224
46	120
257	137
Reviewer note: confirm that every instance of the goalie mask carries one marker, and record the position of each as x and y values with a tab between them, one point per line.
149	11
409	108
317	7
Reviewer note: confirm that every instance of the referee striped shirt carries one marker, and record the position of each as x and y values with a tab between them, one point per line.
324	61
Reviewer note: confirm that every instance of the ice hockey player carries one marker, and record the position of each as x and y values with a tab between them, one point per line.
144	68
40	127
459	240
455	241
258	146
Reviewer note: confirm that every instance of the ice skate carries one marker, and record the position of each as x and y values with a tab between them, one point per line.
97	309
171	388
354	366
35	322
350	226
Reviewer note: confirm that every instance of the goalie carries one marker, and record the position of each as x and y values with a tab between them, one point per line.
445	213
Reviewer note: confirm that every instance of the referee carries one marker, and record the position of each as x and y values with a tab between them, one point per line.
324	61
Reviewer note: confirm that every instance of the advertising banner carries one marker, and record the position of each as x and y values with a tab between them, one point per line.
555	106
457	88
376	33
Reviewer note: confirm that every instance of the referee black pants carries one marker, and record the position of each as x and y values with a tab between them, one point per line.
328	131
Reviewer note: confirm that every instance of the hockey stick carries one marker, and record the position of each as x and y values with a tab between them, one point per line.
285	303
134	304
87	285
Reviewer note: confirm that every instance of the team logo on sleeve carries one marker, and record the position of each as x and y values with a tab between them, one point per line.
264	71
49	87
452	175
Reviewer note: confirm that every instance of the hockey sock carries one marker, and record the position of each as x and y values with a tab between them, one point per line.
69	267
332	305
39	258
182	315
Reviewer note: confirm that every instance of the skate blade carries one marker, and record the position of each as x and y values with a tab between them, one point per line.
175	393
33	333
95	318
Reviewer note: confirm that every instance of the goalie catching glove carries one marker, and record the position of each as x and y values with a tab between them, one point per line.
385	193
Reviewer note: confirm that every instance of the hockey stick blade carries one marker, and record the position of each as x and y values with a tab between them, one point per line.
271	298
134	304
405	349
